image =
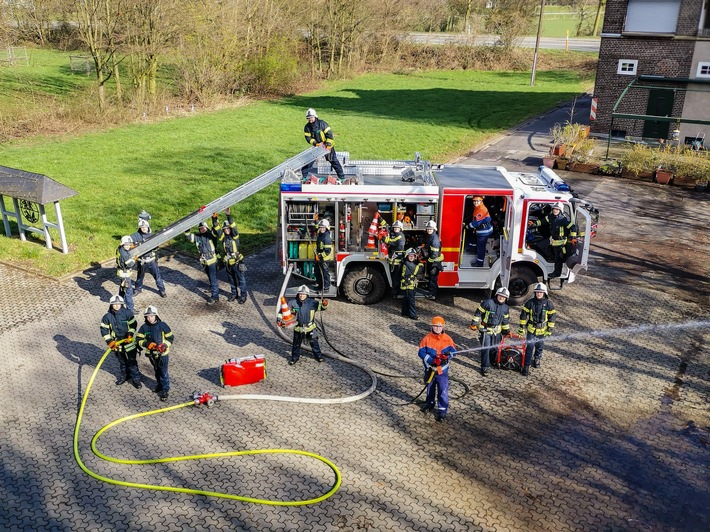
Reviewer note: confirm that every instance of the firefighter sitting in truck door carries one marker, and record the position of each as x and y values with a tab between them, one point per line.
324	248
434	258
561	228
492	320
395	252
318	131
304	309
483	227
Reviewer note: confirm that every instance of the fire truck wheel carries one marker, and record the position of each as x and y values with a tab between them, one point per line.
364	286
521	284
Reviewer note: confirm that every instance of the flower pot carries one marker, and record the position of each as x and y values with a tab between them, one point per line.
548	162
562	163
663	177
587	168
559	150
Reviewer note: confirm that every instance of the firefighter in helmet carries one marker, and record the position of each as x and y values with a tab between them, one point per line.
561	229
395	252
118	328
482	226
434	258
492	321
410	269
436	351
304	309
125	266
318	131
324	248
203	240
228	237
156	338
537	320
148	262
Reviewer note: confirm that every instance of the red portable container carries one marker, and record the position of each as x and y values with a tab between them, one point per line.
245	370
511	352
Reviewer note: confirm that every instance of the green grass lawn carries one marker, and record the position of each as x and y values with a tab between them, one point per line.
170	168
46	79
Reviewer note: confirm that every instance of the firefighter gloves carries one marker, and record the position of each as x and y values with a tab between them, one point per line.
112	345
473	327
152	346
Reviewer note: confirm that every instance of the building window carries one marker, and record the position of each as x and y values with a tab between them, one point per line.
652	16
627	67
703	70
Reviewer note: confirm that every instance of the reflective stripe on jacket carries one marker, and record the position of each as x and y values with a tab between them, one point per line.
492	317
538	316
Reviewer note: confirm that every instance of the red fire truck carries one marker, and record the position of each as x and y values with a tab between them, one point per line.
415	192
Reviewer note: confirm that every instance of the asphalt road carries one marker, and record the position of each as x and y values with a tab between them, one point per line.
577	44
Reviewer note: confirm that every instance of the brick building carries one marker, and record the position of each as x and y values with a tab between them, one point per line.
663	46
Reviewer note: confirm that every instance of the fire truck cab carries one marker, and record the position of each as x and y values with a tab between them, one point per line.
374	193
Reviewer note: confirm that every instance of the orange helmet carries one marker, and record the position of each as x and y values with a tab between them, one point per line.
479	198
438	320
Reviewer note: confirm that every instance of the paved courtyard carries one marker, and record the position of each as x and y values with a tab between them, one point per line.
612	433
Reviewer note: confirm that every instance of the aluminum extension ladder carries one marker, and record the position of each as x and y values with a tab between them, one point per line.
230	198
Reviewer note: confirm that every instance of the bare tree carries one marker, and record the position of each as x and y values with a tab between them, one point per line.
510	19
98	24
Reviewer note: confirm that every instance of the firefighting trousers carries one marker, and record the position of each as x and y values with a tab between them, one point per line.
211	271
409	303
128	363
160	366
489	349
237	280
322	275
438	389
298	338
534	346
152	269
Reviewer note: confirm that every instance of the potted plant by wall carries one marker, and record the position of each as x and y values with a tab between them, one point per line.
558	147
666	163
701	184
610	167
639	162
582	159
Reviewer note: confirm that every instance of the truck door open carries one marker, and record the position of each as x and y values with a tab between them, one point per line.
578	249
506	241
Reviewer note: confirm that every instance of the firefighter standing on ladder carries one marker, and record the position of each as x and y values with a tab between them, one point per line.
304	309
434	258
492	320
318	131
537	319
436	350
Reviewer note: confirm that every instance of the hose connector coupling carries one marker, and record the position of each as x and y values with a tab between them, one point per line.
203	398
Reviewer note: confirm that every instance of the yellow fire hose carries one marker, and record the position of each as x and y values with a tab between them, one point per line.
94	440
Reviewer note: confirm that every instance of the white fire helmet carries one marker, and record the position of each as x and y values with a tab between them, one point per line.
126	240
324	223
311	113
303	289
503	291
540	287
431	224
150	310
116	300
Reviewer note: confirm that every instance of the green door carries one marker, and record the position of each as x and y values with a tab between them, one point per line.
660	103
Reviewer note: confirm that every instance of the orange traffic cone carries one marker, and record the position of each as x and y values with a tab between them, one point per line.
371	242
373	226
287	319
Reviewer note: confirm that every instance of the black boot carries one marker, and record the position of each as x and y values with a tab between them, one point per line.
526	371
536	363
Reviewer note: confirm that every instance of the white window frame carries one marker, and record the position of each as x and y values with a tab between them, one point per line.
703	66
627	67
652	16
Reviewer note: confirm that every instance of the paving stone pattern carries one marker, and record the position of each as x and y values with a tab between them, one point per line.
611	433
